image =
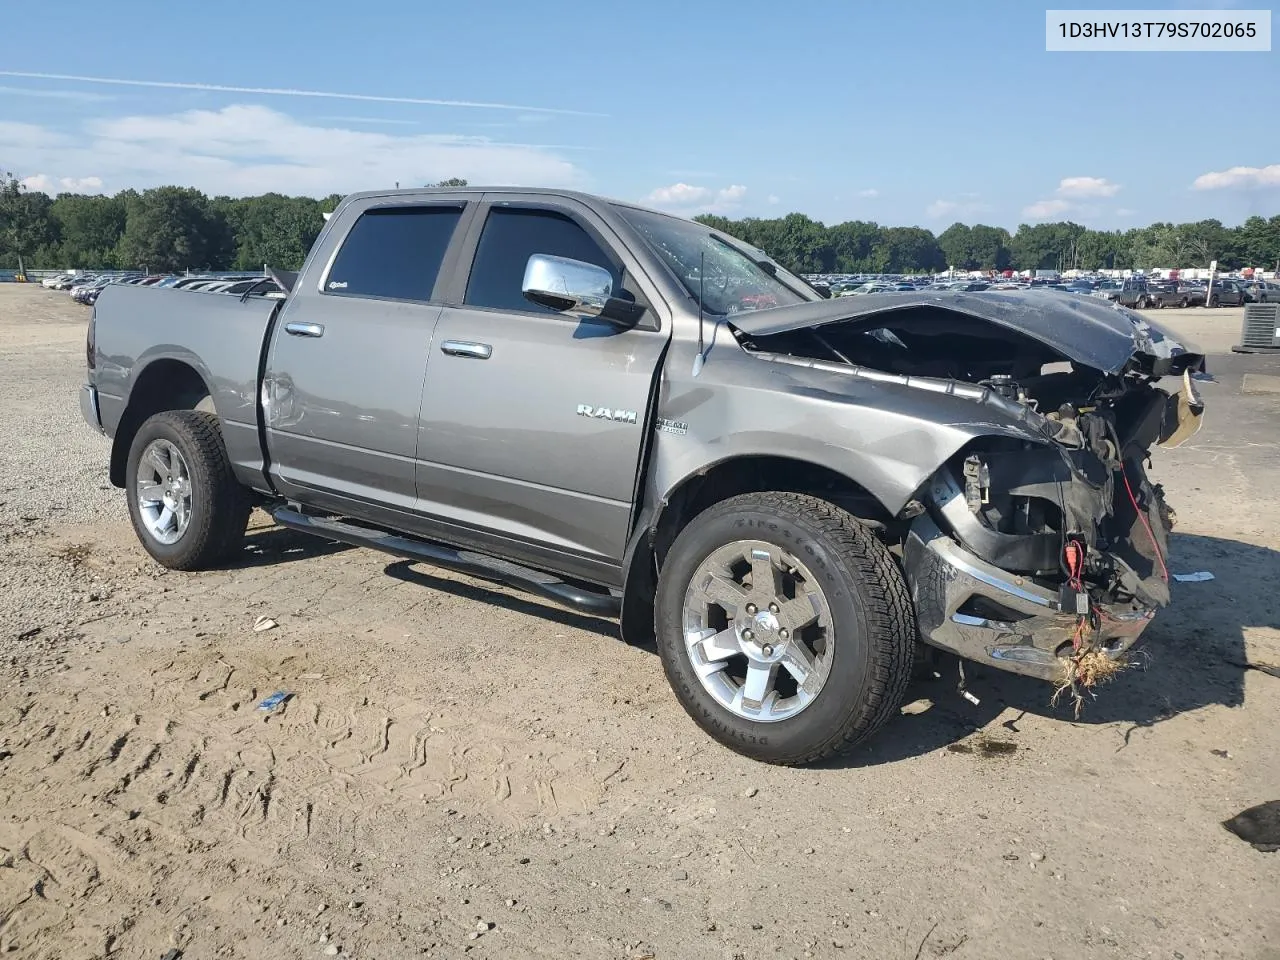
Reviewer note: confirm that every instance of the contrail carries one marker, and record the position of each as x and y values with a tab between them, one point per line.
285	92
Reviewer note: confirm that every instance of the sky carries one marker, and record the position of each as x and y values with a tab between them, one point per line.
905	113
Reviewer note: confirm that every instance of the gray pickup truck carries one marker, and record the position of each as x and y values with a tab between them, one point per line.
639	417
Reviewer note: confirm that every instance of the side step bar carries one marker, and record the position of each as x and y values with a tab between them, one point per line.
546	585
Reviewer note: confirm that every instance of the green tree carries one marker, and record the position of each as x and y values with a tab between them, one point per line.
175	228
28	232
906	250
271	229
852	243
451	182
989	247
956	243
90	227
1259	242
1047	246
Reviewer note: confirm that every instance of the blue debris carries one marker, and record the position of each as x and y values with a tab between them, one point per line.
273	701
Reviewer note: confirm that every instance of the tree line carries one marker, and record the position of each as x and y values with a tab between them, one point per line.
857	246
179	228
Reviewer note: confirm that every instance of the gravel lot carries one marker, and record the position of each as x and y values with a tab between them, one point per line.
462	770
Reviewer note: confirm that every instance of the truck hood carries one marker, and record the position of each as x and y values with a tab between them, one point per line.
1086	330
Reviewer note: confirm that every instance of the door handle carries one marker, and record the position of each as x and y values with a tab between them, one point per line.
465	348
296	329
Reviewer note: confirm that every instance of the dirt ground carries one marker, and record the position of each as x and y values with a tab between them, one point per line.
464	771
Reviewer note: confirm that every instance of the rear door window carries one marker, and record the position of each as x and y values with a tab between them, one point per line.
394	253
510	237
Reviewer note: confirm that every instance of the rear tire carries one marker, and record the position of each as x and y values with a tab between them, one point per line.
852	627
187	508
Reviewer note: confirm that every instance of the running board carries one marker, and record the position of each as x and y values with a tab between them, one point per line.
462	561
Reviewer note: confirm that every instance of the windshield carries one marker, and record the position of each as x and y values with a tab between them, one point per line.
734	282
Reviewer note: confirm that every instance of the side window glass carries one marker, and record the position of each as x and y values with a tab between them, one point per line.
393	252
509	238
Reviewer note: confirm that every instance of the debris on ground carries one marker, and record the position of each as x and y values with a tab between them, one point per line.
1200	576
264	623
273	701
1258	826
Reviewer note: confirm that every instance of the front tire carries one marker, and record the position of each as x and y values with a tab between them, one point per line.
187	508
784	626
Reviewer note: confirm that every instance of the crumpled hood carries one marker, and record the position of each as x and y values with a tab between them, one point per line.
1086	330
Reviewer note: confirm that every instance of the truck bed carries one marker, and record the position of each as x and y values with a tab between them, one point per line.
136	327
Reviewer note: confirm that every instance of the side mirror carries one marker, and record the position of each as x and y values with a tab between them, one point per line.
572	286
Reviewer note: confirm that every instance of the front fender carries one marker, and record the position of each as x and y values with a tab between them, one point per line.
887	437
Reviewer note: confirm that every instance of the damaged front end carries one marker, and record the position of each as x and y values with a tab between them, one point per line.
1029	555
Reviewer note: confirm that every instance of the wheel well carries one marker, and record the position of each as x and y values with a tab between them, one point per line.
163	385
754	474
728	479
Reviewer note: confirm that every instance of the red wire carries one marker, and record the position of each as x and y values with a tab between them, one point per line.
1164	571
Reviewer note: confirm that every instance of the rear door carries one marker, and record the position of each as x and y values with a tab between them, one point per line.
533	421
343	383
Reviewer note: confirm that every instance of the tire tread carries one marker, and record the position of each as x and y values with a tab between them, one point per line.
218	531
886	601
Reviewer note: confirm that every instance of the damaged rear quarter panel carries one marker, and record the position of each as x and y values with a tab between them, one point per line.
888	438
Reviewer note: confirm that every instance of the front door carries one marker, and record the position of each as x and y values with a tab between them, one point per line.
532	421
343	383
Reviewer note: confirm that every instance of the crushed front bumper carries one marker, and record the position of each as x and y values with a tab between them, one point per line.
982	613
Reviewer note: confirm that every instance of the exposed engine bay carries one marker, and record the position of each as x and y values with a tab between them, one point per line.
1070	517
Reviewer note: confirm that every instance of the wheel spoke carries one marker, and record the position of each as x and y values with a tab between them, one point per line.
799	662
715	646
766	577
151	492
759	680
724	592
180	514
159	463
800	612
165	519
739	657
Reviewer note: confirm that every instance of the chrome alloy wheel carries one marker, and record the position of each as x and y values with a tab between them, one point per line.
164	491
758	631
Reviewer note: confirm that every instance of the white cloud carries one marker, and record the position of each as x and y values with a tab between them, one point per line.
677	195
1125	212
869	192
1044	209
290	92
774	198
686	198
955	208
1245	177
43	183
241	150
1087	187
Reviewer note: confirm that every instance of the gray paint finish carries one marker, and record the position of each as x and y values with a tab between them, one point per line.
486	445
503	444
213	334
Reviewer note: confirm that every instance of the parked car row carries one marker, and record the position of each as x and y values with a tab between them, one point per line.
1136	292
1141	293
85	288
